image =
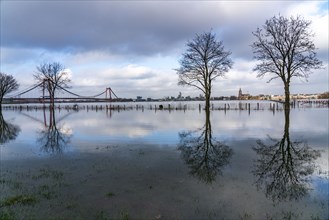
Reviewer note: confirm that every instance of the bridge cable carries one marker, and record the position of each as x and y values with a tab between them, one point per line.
72	93
27	90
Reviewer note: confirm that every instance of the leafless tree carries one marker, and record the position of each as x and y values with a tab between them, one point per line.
52	75
285	49
8	84
204	60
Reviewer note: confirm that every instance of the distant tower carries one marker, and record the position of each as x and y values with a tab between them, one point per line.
240	94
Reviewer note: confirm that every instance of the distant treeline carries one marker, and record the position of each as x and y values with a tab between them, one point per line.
324	95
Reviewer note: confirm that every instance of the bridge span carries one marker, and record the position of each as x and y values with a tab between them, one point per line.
36	95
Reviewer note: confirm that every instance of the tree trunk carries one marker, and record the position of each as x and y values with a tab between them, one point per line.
208	125
287	96
207	101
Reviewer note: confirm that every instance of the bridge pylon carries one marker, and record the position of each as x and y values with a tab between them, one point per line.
108	93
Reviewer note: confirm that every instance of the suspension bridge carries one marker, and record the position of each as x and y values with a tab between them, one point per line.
38	94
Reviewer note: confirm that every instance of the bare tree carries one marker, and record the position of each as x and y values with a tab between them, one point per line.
204	60
53	76
8	84
285	49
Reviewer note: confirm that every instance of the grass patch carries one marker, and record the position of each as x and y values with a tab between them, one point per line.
101	215
16	185
6	215
124	215
20	199
45	191
70	205
12	184
48	173
110	194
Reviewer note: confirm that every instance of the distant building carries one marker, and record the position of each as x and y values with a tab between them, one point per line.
242	96
140	99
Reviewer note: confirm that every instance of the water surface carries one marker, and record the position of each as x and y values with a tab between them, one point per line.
234	164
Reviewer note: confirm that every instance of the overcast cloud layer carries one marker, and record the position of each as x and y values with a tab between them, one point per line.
134	46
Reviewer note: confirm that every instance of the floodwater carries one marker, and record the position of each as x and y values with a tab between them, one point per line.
161	164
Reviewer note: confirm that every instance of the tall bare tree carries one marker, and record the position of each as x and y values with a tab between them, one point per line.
204	60
52	75
8	84
285	49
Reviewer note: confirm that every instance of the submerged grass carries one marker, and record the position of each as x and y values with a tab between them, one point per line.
45	191
124	215
20	199
6	215
48	173
101	215
15	185
110	194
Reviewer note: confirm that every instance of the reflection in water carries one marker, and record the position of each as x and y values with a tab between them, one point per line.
204	155
284	167
8	131
52	139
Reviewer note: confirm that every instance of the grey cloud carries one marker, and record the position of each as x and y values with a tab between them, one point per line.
122	27
126	27
15	55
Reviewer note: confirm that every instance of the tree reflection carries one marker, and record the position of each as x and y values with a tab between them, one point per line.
52	139
204	155
283	168
8	131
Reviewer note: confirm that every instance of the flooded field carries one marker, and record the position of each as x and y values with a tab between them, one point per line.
144	163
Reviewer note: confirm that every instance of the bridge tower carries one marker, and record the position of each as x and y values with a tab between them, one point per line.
44	88
108	93
47	83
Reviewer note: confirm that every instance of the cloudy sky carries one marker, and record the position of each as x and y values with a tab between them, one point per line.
134	46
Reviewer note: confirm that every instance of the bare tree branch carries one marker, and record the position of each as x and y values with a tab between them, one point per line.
52	75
